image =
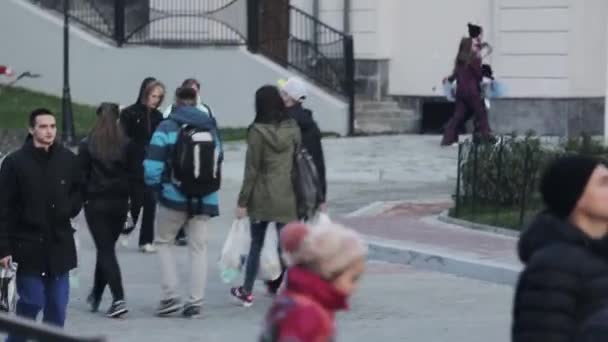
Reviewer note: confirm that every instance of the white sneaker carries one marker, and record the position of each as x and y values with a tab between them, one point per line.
147	248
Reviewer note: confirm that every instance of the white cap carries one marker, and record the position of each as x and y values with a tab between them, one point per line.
295	88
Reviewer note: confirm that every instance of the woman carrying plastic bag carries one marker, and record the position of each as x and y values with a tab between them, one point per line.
236	249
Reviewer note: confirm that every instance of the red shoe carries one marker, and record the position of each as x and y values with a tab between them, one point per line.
245	298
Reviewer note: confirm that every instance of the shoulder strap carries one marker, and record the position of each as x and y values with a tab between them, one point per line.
208	110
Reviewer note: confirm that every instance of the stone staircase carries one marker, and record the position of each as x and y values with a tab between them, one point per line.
378	117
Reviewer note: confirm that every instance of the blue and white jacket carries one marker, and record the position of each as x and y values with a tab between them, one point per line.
156	173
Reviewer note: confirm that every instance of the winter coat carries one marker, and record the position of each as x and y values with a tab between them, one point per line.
41	192
564	282
305	311
140	123
311	140
468	77
267	191
109	178
156	171
595	328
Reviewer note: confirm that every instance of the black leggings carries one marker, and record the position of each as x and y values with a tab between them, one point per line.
105	218
146	199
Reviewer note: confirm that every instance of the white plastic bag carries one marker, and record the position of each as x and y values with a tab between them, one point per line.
319	219
8	292
270	261
235	251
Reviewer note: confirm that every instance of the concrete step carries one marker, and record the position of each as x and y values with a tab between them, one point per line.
364	105
387	125
380	115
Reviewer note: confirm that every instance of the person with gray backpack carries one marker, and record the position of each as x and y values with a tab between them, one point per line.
183	164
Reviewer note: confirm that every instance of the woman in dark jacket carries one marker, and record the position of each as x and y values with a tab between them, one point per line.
468	74
267	194
110	168
565	280
294	94
140	120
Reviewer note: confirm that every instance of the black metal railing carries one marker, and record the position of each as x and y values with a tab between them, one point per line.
39	332
497	183
273	28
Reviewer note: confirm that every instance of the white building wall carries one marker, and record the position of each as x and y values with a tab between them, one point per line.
542	48
425	39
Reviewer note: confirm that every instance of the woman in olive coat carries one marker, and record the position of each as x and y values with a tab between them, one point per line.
267	194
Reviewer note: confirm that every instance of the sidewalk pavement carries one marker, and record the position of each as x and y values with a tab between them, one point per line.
410	233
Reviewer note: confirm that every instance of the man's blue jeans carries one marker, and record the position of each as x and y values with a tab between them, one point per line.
49	294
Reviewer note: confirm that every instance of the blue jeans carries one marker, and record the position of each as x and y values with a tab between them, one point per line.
258	233
42	293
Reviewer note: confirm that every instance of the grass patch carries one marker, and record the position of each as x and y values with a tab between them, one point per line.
16	104
495	215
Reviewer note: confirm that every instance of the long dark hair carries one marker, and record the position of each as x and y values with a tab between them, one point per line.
465	52
269	106
107	138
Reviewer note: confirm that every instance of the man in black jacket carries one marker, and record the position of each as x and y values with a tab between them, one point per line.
140	120
41	191
294	93
565	252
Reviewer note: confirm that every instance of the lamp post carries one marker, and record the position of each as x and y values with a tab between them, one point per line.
67	124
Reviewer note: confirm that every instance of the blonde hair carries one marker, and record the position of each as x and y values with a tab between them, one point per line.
150	88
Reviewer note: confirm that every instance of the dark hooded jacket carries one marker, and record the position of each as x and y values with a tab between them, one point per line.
564	282
109	178
140	123
41	192
311	140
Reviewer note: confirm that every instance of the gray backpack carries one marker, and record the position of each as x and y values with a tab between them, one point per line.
307	185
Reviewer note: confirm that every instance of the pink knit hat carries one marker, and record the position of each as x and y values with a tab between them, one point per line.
327	248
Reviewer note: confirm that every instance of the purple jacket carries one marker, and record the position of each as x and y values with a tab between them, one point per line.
468	77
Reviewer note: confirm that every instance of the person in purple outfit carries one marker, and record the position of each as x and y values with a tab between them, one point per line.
468	75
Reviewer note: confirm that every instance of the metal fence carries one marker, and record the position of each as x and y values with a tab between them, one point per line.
497	183
272	28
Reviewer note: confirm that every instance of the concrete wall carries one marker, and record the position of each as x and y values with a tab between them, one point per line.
551	48
100	72
426	41
542	48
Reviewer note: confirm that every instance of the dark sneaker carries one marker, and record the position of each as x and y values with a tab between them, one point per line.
181	241
192	311
169	306
93	302
271	288
244	298
118	309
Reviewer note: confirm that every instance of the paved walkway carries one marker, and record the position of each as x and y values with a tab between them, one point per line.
396	302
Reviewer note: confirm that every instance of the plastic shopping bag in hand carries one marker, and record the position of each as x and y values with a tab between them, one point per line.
8	293
270	260
320	219
235	251
449	89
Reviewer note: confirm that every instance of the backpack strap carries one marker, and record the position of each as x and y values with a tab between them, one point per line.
208	110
